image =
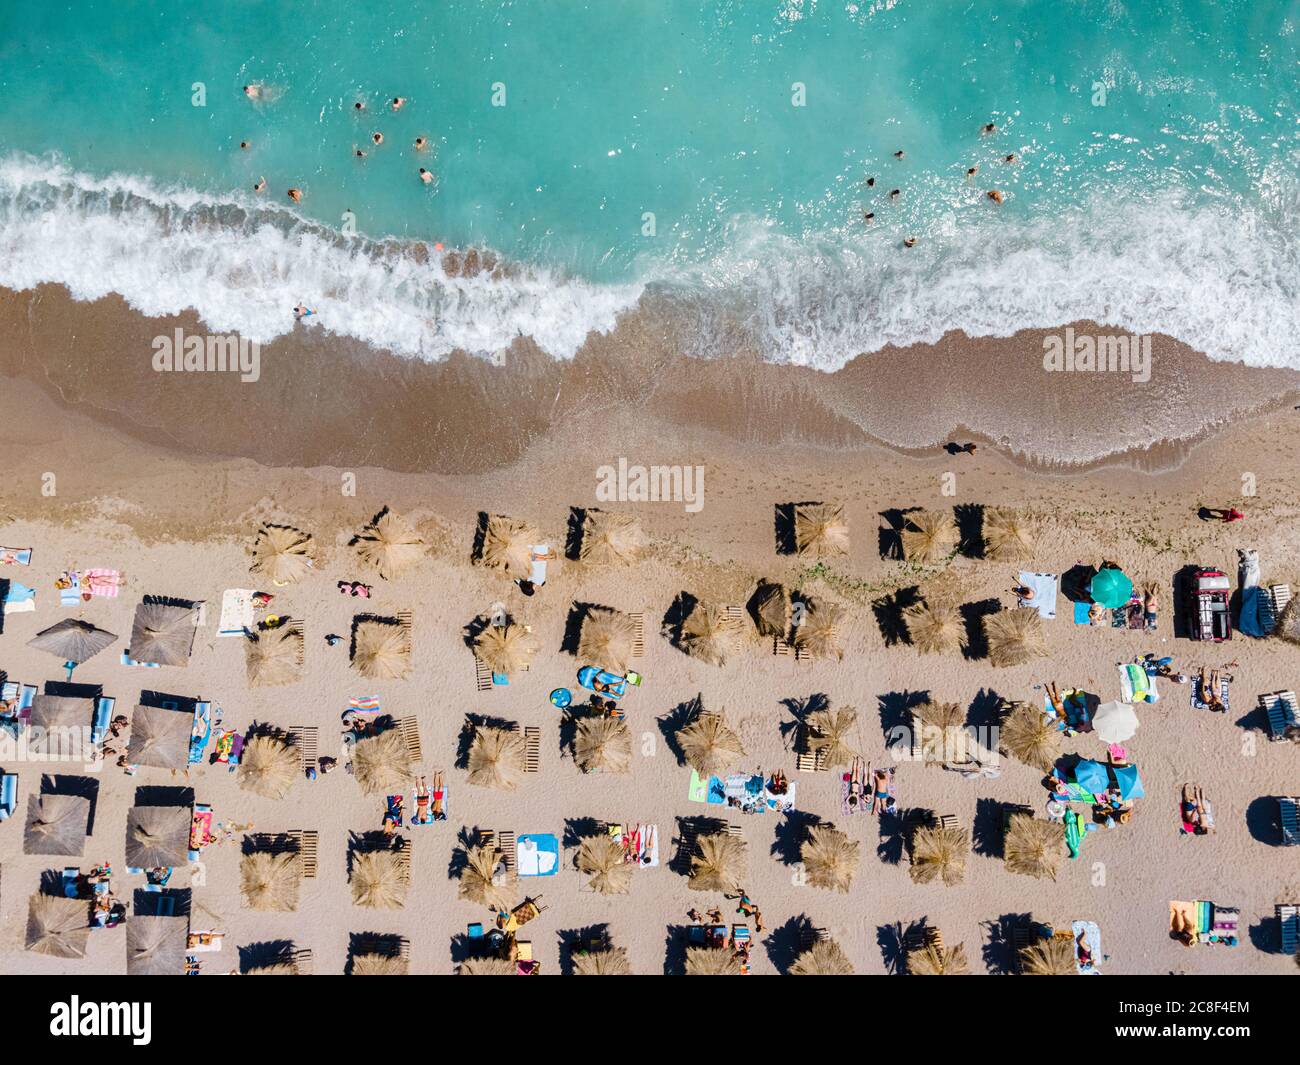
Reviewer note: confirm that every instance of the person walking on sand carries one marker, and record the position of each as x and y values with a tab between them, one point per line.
1224	514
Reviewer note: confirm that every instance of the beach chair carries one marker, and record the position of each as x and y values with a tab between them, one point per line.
8	795
532	749
810	934
307	843
409	727
1021	939
504	842
806	759
306	738
1288	919
1282	713
638	640
948	821
1271	605
482	675
301	961
1289	809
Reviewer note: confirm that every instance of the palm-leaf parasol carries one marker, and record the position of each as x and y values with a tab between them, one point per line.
1015	636
928	536
56	824
829	734
612	961
708	633
58	926
507	546
507	649
770	608
934	960
274	656
163	632
817	631
160	737
496	758
712	961
269	766
1008	535
485	880
821	530
487	967
1053	956
602	743
379	965
718	864
157	836
155	946
609	538
603	859
72	640
282	554
1029	736
709	745
934	628
389	544
829	858
1033	847
382	763
939	854
607	639
269	882
941	730
381	649
823	958
380	879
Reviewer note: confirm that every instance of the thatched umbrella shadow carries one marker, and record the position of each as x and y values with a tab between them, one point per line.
576	829
896	710
894	835
783	528
784	943
265	954
890	535
675	616
892	939
973	615
986	832
999	952
986	709
573	533
573	940
675	944
890	617
791	832
371	945
970	528
677	719
800	710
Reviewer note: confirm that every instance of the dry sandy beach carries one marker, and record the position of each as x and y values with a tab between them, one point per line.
176	510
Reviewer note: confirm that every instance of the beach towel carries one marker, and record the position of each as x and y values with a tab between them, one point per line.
1044	600
16	598
1182	917
1250	620
105	583
537	855
1081	613
540	554
69	585
15	556
1198	696
1136	685
1092	937
236	612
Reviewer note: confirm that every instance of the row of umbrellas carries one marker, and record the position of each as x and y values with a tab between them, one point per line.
162	634
60	927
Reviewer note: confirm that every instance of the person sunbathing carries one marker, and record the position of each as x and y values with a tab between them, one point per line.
1084	954
438	810
1023	592
422	796
880	790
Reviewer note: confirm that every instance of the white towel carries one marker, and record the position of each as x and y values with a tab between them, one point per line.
1044	586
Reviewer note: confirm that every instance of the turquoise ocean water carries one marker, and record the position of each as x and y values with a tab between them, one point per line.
1156	185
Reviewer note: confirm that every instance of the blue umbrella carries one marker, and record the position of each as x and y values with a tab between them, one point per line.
1130	784
1091	775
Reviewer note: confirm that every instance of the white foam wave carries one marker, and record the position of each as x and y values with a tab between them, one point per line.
243	267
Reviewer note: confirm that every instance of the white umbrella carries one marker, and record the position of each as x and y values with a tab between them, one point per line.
1115	722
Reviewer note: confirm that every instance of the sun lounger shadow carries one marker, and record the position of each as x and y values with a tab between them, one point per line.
888	610
162	795
594	937
1254	720
890	535
1264	822
81	787
169	902
677	719
791	832
970	528
264	954
973	615
167	701
786	942
999	950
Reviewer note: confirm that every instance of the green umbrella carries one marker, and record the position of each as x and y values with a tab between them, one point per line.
1110	587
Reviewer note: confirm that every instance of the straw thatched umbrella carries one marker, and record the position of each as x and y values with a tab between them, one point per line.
1028	735
382	763
274	656
829	735
1053	956
934	628
823	958
485	880
718	864
609	538
712	961
507	649
269	766
602	857
56	824
282	554
829	858
157	836
603	743
61	712
508	546
72	640
941	730
1015	636
939	854
821	530
1008	535
709	634
612	961
276	968
160	737
58	926
487	967
1288	625
496	758
607	639
1033	847
380	879
155	946
934	960
381	649
270	881
379	965
928	536
817	632
389	545
770	608
163	632
709	745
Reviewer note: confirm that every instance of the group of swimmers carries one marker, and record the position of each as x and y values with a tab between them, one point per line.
421	143
993	194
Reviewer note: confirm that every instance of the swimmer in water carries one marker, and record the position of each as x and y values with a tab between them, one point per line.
295	195
358	153
895	193
909	242
972	171
261	185
425	176
871	183
398	103
989	128
302	311
253	92
359	106
245	145
869	217
995	195
898	154
421	143
1010	158
377	138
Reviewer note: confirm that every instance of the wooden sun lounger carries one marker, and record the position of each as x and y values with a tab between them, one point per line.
732	830
1282	711
532	749
948	821
308	843
809	935
638	641
502	841
734	614
1021	938
301	960
482	675
781	648
806	759
410	730
306	738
